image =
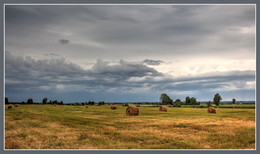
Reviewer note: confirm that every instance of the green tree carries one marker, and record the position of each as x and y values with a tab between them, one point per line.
176	103
101	103
187	100
44	101
165	99
55	102
91	103
30	101
193	101
233	101
217	98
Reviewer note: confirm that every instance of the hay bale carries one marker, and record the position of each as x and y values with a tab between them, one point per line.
86	106
15	105
132	111
9	106
212	110
163	108
113	107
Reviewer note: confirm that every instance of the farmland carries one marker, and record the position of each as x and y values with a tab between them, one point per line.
99	127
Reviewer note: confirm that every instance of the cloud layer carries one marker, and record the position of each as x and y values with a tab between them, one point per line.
58	75
129	52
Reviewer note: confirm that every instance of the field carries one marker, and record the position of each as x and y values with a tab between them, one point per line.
99	127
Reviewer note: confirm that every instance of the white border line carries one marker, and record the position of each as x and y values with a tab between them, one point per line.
143	4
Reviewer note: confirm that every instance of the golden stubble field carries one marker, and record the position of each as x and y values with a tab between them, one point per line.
99	127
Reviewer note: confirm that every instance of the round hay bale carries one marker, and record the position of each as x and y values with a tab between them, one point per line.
163	108
132	111
9	106
212	110
86	106
15	105
113	107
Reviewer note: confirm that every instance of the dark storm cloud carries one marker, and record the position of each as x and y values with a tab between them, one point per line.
63	41
38	72
123	69
30	74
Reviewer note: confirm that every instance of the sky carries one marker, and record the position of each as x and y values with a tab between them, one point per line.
129	53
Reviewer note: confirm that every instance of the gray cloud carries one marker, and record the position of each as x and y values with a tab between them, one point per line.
158	30
63	41
44	76
123	69
152	62
51	54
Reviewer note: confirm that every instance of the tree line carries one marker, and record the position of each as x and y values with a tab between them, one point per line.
166	100
54	102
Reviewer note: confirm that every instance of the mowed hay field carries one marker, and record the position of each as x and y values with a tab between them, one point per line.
99	127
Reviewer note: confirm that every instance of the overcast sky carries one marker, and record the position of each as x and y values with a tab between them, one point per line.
128	53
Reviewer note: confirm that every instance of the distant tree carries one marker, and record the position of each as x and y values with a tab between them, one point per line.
91	103
61	102
30	101
126	104
101	103
55	102
165	99
176	103
193	101
178	100
233	101
217	98
208	104
187	100
6	100
44	101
